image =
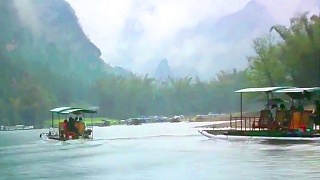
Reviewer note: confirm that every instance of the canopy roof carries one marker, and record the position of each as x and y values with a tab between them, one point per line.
58	109
299	93
67	110
299	90
262	89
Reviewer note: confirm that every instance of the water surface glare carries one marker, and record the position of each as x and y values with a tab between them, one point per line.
153	151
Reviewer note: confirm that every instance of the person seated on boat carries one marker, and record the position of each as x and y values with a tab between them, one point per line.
293	108
65	128
316	110
272	115
282	107
72	126
273	110
316	113
76	118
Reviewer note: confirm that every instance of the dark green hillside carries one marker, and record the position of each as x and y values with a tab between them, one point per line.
45	60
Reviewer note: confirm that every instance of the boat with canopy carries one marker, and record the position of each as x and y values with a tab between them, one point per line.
70	128
293	124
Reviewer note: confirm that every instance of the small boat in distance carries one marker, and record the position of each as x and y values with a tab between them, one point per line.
293	124
134	121
74	128
105	123
175	119
14	128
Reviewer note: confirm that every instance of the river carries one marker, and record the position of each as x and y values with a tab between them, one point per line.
161	151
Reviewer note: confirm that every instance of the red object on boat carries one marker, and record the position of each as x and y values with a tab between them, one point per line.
303	127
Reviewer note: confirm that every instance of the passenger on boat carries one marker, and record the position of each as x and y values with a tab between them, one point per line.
316	110
282	107
316	113
293	108
71	126
274	109
65	128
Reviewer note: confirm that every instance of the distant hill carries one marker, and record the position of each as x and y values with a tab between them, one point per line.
163	71
230	39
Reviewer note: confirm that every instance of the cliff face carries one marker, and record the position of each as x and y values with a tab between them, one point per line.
48	32
45	57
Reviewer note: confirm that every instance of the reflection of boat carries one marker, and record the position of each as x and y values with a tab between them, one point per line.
75	129
286	125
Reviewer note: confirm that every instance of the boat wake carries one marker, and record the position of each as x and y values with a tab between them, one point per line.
233	137
153	136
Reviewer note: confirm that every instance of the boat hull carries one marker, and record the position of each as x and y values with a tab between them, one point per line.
47	136
237	137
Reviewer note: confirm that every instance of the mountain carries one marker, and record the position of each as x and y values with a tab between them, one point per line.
49	32
46	60
163	72
230	40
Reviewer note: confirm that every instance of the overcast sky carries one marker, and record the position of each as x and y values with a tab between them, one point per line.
157	23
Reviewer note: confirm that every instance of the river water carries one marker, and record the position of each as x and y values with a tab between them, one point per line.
153	151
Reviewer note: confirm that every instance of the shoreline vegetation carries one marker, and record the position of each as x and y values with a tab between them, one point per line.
99	120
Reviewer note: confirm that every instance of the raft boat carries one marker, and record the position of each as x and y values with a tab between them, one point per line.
73	130
287	125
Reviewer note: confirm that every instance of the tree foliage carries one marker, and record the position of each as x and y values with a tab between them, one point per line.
294	60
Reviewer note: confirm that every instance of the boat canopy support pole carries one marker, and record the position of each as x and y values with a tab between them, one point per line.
52	119
268	102
241	109
59	125
91	127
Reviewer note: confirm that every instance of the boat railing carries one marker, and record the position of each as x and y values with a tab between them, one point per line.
244	123
261	123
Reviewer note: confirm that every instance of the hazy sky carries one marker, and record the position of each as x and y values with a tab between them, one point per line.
135	34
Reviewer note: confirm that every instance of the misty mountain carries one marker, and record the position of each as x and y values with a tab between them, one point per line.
43	51
230	39
48	32
163	72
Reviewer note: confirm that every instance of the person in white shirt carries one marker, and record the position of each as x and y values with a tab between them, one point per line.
273	110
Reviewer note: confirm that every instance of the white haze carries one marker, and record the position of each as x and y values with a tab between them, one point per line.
137	34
